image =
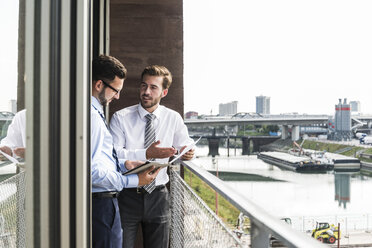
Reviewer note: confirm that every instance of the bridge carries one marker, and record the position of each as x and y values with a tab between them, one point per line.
301	120
257	142
285	121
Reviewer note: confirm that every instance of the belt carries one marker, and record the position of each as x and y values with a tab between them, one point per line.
105	194
140	190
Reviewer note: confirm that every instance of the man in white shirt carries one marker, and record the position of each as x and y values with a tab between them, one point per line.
129	131
15	141
108	76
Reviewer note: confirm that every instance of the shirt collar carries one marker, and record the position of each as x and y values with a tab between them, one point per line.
96	104
143	112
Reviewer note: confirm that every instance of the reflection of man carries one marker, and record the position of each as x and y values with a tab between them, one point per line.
132	128
15	141
107	180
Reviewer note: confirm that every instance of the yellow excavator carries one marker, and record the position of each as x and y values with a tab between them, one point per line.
326	233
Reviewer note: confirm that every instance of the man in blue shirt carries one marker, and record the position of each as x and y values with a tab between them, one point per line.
107	180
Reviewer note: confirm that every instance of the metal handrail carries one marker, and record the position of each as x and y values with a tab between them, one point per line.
262	223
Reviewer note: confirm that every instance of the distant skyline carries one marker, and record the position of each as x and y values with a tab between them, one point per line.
304	55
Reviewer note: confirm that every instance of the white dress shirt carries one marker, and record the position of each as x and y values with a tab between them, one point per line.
16	135
128	131
105	176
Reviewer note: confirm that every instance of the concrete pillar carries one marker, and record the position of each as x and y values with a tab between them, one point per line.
284	132
256	145
295	133
213	144
245	142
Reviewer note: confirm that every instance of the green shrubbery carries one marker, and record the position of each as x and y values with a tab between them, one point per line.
226	211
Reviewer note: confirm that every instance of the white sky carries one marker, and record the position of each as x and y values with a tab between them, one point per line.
303	54
8	52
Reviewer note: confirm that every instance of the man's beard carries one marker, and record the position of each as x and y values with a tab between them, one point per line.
150	103
102	98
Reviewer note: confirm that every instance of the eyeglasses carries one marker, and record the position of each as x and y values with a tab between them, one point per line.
108	85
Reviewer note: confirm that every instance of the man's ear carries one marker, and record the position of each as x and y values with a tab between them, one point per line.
164	93
98	85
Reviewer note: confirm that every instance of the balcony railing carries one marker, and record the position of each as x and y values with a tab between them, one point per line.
12	211
186	218
193	223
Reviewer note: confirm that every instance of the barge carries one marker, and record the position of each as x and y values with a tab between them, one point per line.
344	163
292	162
339	162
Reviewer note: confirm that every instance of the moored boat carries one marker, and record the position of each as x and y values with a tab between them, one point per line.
292	162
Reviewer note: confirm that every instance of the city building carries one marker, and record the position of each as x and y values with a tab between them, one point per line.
263	105
230	108
355	106
13	106
191	115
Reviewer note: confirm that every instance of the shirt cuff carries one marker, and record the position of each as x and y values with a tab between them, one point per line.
122	164
132	181
141	154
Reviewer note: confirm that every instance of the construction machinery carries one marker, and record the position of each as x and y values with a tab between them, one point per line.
325	233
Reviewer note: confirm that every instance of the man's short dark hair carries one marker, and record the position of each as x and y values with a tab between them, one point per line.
106	67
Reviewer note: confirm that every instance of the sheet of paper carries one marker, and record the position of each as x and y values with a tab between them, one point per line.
9	157
187	148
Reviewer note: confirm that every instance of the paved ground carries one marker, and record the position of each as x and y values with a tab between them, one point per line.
357	239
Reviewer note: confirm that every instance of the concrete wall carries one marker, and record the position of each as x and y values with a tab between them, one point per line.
145	32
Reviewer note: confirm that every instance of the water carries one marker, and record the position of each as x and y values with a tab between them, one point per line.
292	193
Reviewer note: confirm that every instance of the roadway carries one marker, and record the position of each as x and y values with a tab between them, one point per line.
298	120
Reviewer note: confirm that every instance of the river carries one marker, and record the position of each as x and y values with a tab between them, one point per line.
285	193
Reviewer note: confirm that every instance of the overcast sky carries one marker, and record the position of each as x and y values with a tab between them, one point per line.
303	54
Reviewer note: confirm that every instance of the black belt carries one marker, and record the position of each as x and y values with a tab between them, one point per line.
141	190
105	194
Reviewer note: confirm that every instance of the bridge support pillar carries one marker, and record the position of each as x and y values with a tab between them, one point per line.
284	132
295	133
256	145
213	144
246	143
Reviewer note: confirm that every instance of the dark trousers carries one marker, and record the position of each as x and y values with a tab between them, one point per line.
106	225
149	210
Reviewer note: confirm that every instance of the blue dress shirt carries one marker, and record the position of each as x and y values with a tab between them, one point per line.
105	176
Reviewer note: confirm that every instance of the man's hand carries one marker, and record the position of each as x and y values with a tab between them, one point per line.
188	155
7	150
147	176
159	152
20	152
132	164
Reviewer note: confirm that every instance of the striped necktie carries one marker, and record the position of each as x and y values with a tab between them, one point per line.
114	154
149	139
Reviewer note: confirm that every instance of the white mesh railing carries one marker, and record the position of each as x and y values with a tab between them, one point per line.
12	212
193	223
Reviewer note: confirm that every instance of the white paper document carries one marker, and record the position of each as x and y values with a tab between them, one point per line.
148	164
187	148
10	158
